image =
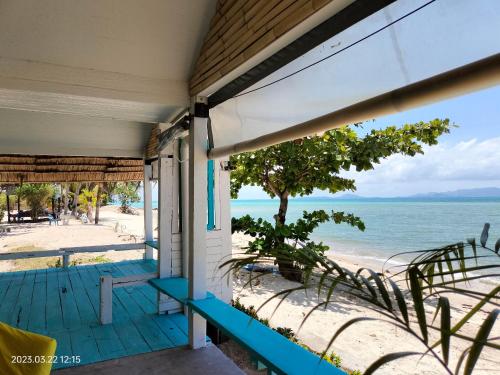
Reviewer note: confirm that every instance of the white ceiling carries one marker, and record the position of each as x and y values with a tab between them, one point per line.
95	63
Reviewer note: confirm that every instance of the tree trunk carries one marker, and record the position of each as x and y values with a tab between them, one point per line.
286	266
65	198
97	204
75	201
8	208
281	216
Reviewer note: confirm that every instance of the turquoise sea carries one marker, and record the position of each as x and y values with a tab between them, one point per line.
392	225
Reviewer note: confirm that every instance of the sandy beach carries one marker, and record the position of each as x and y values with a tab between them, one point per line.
363	342
360	345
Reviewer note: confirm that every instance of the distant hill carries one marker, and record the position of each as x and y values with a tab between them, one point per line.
488	192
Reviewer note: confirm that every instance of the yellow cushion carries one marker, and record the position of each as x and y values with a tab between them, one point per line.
23	352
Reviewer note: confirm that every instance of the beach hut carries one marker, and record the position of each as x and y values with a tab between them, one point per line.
167	90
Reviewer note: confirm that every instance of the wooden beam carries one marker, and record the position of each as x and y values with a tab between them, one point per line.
198	219
106	299
148	210
164	224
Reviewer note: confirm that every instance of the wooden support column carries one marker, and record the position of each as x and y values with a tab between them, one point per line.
148	210
198	219
8	207
185	206
223	212
164	223
175	187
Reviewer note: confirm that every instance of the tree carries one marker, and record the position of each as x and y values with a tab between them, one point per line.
36	196
127	194
296	168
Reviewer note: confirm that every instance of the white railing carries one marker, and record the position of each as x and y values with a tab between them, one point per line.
66	252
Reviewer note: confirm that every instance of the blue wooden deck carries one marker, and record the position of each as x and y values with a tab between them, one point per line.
64	304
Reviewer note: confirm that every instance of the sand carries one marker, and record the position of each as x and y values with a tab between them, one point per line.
363	342
360	345
113	228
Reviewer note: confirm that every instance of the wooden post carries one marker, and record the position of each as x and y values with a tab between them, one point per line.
223	212
165	162
106	300
65	260
198	219
148	210
185	205
8	207
175	187
97	204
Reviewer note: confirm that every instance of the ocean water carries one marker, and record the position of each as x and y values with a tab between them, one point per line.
392	225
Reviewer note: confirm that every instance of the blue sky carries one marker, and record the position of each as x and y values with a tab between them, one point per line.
468	157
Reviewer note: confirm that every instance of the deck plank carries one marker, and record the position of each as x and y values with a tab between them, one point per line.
37	315
10	298
71	315
53	308
88	315
20	313
64	348
171	330
108	342
84	344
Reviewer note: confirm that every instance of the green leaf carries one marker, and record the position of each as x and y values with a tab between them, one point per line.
382	290
484	234
450	266
386	359
418	303
480	340
401	301
445	328
472	242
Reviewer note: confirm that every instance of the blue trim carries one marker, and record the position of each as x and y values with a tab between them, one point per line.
210	193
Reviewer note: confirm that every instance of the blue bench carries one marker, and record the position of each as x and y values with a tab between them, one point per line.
279	354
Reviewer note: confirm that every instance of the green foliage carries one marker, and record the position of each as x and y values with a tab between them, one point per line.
333	358
296	168
36	195
430	277
285	243
127	194
88	196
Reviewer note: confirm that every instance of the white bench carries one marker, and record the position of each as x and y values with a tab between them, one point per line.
107	283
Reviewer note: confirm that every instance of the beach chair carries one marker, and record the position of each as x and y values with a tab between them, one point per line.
65	219
84	219
53	219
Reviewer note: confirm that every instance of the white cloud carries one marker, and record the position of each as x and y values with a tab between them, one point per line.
442	167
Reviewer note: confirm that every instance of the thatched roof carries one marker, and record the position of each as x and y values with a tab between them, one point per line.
18	169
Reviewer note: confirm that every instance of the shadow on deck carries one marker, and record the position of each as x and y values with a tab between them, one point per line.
64	304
